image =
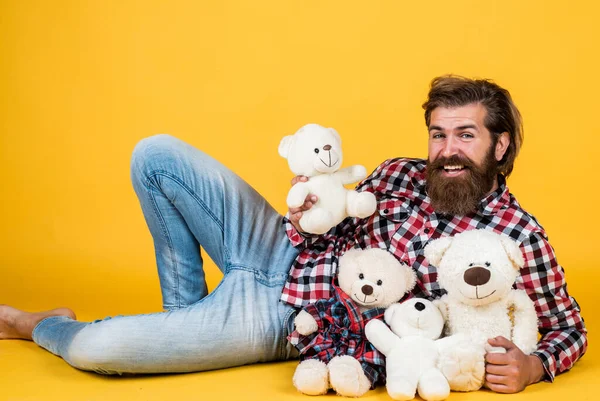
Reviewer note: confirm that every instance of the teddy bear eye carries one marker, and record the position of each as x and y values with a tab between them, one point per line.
316	150
488	264
379	282
470	264
361	276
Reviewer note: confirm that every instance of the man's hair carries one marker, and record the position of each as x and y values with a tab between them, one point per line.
502	114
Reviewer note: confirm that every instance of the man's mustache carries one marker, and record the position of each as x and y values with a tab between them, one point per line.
453	160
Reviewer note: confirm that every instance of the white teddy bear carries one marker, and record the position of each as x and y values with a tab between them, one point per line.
315	152
411	348
330	333
478	268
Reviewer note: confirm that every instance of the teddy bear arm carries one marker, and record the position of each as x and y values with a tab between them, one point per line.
380	335
352	174
305	323
297	194
525	328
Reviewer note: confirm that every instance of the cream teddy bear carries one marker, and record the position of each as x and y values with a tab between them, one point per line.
411	349
330	333
315	152
478	268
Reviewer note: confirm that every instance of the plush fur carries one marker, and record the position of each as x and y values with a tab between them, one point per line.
316	152
388	280
478	268
411	348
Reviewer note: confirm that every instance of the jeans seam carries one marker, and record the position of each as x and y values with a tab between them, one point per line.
167	235
206	209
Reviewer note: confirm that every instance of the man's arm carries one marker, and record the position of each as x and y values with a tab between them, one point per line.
564	335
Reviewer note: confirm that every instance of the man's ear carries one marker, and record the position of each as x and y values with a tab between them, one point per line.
434	251
285	145
513	251
502	145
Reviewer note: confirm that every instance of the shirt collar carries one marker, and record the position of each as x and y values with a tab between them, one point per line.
497	200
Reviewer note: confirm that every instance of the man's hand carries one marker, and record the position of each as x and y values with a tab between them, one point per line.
296	212
513	371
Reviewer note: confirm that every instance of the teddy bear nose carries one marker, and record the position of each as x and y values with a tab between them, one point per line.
367	289
326	147
419	306
477	276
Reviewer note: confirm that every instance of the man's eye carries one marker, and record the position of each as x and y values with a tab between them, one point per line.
437	136
466	135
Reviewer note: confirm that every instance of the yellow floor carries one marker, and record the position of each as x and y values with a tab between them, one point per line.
28	372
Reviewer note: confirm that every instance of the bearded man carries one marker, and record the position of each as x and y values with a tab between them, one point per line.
189	199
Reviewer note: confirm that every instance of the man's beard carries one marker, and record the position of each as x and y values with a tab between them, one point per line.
460	195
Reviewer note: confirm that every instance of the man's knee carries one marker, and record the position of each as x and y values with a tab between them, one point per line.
156	152
94	352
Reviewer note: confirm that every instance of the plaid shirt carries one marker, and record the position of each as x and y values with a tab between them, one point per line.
405	222
342	332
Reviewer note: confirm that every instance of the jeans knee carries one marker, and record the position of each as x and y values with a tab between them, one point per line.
153	153
93	353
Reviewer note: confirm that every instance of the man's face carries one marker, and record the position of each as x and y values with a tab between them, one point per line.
462	162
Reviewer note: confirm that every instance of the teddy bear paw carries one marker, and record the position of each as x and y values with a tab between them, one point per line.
463	367
347	376
311	377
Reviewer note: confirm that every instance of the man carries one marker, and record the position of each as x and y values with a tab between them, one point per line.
189	199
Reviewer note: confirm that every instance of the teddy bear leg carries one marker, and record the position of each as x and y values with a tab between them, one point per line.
347	376
402	385
463	365
360	204
316	221
311	377
433	386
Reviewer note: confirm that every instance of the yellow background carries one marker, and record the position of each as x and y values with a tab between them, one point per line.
81	82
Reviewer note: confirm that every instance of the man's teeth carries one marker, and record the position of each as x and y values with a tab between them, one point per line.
458	167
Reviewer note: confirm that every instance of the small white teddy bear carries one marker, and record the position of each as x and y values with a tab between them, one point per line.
478	268
330	334
411	348
316	152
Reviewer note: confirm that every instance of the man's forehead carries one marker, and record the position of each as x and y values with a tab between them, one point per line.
448	118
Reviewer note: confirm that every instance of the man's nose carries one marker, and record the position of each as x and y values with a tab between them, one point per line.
449	147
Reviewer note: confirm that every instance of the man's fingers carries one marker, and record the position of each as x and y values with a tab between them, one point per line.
498	388
295	216
501	370
496	379
299	178
501	342
496	358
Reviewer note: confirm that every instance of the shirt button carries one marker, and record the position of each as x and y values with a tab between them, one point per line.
386	211
426	231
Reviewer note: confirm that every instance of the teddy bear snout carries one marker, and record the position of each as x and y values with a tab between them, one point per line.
419	306
477	276
327	147
367	289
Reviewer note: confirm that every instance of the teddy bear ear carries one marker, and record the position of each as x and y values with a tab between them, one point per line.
434	251
335	133
513	251
410	277
285	145
389	312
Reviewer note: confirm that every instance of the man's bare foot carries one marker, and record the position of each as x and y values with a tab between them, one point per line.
18	324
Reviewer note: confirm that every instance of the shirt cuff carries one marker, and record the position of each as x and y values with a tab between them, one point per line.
296	237
549	364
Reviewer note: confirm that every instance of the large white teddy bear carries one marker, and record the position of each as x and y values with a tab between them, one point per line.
316	152
411	348
330	334
478	268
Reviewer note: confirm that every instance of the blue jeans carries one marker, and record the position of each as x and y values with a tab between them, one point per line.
191	200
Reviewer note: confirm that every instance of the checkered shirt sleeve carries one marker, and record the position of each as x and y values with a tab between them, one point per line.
564	336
